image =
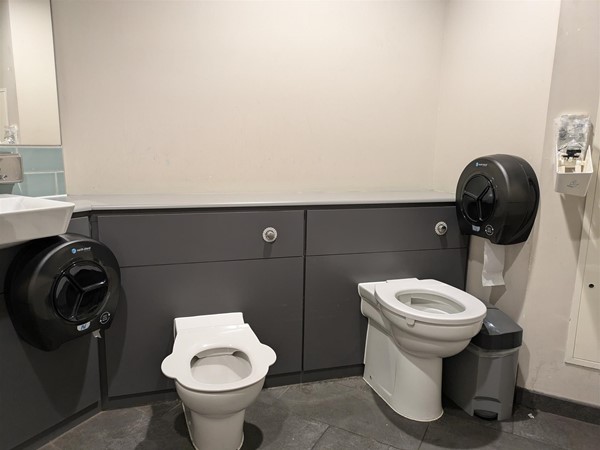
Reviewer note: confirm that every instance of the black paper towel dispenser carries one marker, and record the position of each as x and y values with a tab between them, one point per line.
497	198
60	288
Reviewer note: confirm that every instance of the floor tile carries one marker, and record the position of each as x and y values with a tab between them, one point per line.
166	428
269	426
355	410
342	414
275	392
110	430
157	426
336	439
451	432
354	382
556	430
49	446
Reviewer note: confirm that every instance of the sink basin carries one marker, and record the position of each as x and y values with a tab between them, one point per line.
26	218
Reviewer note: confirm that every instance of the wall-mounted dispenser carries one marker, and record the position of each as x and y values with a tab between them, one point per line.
497	198
60	288
11	171
573	167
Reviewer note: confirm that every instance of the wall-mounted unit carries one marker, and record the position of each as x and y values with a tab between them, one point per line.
573	168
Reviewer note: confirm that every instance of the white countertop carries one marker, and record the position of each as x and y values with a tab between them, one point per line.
233	200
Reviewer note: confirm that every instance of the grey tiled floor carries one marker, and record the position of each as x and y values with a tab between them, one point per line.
341	414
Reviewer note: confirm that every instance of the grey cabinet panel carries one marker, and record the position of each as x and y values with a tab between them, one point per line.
151	239
268	292
80	225
344	231
40	389
334	328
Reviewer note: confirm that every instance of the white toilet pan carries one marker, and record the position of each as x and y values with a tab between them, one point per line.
413	324
219	367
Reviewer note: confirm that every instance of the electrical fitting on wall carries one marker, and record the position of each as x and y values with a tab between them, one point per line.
573	167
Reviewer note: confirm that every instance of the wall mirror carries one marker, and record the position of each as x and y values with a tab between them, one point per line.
28	96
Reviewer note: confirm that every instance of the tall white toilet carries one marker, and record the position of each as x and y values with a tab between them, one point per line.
413	324
219	367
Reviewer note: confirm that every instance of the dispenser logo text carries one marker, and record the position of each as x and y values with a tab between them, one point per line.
80	249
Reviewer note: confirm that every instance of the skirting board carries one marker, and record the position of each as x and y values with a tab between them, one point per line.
559	406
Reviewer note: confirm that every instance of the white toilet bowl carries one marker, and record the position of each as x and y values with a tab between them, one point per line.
413	324
219	367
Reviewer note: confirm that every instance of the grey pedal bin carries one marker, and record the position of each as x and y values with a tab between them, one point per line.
481	379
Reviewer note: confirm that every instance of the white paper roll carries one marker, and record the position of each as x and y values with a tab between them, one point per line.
493	264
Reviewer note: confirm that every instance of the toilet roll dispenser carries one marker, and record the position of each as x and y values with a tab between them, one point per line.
60	288
497	198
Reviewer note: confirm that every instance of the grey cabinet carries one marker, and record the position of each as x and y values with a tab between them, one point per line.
268	293
368	230
178	265
80	225
334	328
38	389
347	246
176	238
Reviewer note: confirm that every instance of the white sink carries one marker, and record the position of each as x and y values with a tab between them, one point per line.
26	218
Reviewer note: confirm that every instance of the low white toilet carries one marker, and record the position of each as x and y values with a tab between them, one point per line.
413	324
219	367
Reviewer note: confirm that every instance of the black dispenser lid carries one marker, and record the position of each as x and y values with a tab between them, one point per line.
498	332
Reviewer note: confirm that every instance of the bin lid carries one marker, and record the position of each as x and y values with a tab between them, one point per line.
498	332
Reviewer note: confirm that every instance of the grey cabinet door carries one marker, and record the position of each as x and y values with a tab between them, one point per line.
39	389
334	328
172	238
268	292
366	230
80	225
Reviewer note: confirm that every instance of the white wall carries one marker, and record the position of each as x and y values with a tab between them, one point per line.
505	101
495	84
247	96
34	71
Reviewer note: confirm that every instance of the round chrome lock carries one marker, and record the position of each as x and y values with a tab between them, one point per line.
441	228
269	234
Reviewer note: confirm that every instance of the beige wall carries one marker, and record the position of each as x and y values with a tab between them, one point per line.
247	96
540	274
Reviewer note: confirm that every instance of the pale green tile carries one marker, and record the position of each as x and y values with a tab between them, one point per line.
39	184
61	187
41	159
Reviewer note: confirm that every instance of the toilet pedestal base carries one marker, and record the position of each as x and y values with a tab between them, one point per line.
410	385
219	432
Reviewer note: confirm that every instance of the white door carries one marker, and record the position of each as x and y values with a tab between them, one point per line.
584	330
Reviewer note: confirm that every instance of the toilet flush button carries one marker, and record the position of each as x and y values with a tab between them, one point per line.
269	234
441	228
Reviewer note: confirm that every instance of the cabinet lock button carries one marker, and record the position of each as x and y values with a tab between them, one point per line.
269	234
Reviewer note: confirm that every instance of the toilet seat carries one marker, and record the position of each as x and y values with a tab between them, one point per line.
233	338
439	303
